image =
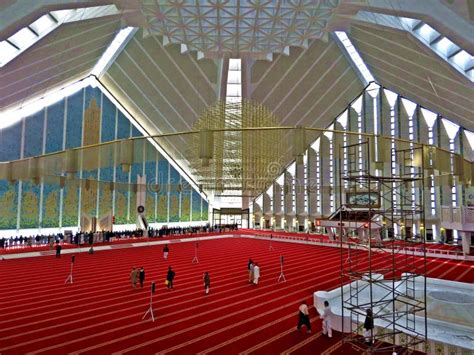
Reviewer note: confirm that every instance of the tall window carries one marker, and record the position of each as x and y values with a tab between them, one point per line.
292	171
430	119
392	99
452	131
306	181
233	95
410	108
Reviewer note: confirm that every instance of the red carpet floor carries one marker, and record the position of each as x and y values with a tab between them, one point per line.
101	313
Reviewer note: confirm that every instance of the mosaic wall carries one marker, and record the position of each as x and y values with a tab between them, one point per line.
85	118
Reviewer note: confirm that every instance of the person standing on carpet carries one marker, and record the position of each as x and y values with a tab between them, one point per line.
58	250
142	276
250	269
256	273
326	316
169	278
369	327
303	317
207	282
133	277
166	250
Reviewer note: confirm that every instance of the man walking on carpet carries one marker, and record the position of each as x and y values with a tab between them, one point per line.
256	273
58	250
250	269
207	282
326	316
166	250
169	278
142	276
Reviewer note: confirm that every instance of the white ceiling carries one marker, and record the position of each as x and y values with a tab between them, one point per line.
167	81
66	54
403	64
248	26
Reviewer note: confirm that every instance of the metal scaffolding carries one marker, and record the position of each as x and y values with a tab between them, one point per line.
381	219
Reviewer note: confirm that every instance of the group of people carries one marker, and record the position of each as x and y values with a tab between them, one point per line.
303	318
326	317
166	231
25	241
81	237
170	275
137	274
254	272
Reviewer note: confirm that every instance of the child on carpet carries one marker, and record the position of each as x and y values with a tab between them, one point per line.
327	315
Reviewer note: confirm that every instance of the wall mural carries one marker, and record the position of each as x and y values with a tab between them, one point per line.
87	117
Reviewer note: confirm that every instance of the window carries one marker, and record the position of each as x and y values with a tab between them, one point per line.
29	35
441	45
355	56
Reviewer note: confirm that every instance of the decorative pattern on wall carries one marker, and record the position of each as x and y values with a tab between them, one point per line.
87	117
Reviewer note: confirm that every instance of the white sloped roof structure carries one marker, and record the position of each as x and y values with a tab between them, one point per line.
173	65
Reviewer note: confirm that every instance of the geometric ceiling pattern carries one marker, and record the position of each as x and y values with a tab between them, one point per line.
248	26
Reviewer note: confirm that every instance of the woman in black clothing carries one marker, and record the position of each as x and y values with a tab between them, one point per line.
169	278
250	270
368	327
207	282
141	276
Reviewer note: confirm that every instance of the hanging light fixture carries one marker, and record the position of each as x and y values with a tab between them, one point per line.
9	174
126	155
33	170
62	182
206	145
299	145
70	162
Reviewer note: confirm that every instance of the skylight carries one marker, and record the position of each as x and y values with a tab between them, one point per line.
459	59
356	58
234	81
30	107
31	34
120	40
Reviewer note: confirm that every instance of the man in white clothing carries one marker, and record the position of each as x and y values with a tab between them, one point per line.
256	273
327	315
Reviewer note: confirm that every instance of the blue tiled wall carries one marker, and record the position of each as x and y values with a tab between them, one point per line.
62	125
